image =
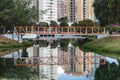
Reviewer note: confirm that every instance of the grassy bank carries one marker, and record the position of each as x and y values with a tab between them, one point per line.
8	43
105	46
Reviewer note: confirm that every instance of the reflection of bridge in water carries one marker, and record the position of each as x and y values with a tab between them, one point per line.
47	59
36	61
55	56
59	32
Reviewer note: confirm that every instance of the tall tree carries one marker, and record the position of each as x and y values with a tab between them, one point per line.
86	22
22	14
43	24
5	9
63	21
53	23
16	12
74	24
107	11
64	24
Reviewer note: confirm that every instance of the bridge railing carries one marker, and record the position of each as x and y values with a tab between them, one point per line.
61	30
36	61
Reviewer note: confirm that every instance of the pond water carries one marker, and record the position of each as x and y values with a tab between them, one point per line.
53	63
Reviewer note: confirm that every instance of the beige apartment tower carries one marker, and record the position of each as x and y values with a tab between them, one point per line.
77	10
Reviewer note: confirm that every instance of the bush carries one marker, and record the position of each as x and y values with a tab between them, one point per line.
86	22
115	29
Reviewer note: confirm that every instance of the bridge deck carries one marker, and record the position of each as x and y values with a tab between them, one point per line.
61	32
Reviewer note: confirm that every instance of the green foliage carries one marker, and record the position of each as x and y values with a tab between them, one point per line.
114	29
22	14
17	45
75	24
105	45
86	22
63	19
43	24
64	24
74	42
96	24
9	71
43	43
16	12
109	71
64	44
53	23
107	11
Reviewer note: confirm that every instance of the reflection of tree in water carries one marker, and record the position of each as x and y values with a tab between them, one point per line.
25	53
109	71
6	51
9	71
64	44
43	43
55	43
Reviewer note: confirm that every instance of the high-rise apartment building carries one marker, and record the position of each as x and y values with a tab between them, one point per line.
47	10
49	70
77	10
75	61
60	9
74	10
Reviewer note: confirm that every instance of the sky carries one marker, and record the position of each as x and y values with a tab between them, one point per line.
64	76
70	77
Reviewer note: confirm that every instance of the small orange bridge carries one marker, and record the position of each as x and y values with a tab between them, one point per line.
60	32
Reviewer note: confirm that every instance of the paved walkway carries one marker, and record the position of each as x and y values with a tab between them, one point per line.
115	35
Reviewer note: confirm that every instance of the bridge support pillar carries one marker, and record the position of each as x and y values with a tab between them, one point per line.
92	30
68	30
26	29
20	38
86	31
104	30
38	29
80	31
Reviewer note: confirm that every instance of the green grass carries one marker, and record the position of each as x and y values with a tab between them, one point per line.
8	43
109	46
16	45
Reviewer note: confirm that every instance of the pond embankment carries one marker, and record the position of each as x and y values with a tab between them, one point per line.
9	43
105	46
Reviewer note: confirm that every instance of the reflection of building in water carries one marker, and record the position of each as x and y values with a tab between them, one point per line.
77	62
48	72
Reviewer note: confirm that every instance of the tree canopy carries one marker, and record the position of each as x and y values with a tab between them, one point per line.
45	24
107	11
53	23
16	12
63	21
